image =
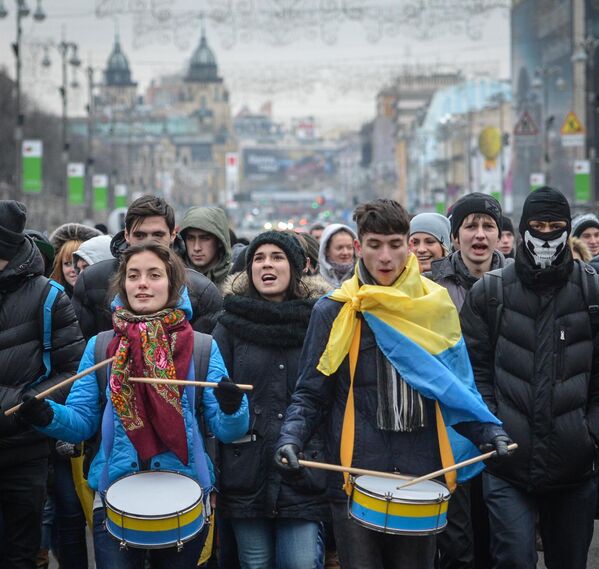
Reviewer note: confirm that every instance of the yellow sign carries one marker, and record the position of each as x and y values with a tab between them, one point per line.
572	125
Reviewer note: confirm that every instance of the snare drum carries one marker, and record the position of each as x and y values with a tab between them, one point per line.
154	509
421	509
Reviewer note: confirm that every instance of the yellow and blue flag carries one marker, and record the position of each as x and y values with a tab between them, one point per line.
417	327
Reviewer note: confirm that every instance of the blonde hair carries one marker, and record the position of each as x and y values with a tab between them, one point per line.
64	253
580	248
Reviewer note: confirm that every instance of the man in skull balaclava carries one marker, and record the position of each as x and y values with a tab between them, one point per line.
545	227
534	351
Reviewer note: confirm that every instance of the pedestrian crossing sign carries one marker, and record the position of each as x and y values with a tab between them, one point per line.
572	125
525	126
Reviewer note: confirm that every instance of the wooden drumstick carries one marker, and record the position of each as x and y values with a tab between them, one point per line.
242	386
468	462
351	470
47	392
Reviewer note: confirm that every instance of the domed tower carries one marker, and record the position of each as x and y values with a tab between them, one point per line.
202	66
118	90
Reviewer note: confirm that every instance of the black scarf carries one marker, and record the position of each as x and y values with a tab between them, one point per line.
462	274
538	279
278	324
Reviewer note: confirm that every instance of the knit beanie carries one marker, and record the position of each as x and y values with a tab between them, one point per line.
13	215
582	222
290	246
434	224
507	224
474	203
545	204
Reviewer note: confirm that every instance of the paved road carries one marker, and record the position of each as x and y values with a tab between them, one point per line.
592	564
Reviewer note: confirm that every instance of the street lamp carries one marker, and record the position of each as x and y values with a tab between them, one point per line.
69	56
585	54
542	74
22	11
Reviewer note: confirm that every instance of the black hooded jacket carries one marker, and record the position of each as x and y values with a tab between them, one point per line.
540	375
23	289
91	297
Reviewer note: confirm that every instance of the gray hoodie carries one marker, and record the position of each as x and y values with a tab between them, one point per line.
94	250
325	268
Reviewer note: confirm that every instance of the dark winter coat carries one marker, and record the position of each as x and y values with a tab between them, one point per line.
261	343
92	298
320	401
23	289
540	377
451	272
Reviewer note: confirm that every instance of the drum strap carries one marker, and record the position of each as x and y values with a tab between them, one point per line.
447	458
349	420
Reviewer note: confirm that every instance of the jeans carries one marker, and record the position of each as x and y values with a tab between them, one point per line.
362	548
109	555
264	543
566	524
22	491
455	544
69	519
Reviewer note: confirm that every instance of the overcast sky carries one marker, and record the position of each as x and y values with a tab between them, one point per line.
329	64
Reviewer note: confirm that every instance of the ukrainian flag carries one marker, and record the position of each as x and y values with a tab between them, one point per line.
417	327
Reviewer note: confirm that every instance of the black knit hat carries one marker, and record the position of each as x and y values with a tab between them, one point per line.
507	224
474	203
289	245
13	215
545	204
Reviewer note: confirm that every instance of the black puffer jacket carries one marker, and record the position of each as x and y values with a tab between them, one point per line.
320	400
23	289
261	343
541	378
91	298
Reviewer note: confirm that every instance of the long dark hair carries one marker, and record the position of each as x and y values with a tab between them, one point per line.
175	272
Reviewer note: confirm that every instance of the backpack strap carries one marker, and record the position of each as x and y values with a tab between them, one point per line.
493	284
590	292
52	291
102	341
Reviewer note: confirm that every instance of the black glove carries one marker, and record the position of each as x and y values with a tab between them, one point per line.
290	453
228	395
499	444
36	412
68	450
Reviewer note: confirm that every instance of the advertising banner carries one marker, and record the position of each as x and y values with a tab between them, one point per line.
100	192
32	153
76	183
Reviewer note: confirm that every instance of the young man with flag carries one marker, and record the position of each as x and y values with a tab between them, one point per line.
387	369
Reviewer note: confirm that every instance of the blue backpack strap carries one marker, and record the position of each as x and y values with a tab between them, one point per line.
54	289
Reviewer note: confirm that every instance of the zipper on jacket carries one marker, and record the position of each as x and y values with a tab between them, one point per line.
561	348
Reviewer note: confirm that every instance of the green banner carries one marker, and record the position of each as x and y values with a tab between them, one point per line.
582	181
100	192
120	196
32	152
440	203
497	196
537	180
76	183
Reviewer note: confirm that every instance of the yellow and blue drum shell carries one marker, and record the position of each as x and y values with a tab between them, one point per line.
154	509
417	510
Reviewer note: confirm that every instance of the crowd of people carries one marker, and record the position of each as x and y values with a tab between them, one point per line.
398	345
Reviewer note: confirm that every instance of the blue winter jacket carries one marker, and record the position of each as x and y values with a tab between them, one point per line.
81	417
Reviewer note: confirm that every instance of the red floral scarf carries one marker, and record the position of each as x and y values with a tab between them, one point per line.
151	345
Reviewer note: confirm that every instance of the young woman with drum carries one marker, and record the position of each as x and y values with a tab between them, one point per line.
144	429
260	334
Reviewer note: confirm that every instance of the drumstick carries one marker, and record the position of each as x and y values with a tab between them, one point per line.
242	386
62	384
351	470
474	460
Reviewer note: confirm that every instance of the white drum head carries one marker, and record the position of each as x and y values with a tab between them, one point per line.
422	491
153	493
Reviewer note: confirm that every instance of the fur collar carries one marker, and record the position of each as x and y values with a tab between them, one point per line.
276	324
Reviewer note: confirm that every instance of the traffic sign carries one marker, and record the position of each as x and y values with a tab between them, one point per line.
525	126
572	125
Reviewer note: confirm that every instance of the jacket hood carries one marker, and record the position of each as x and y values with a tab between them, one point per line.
238	285
184	304
94	250
324	266
212	220
27	263
72	232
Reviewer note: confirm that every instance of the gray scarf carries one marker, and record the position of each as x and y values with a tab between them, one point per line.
400	408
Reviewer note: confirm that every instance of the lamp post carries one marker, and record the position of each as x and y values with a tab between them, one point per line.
585	54
541	81
22	11
69	57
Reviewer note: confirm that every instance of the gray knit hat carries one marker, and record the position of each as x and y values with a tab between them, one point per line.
582	222
434	224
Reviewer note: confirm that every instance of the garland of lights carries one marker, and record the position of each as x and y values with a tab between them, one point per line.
283	22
